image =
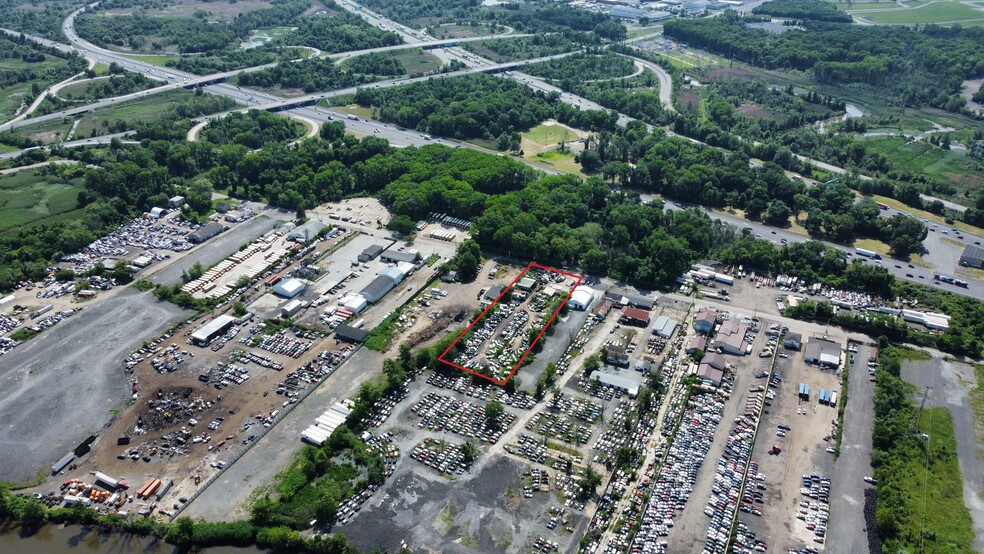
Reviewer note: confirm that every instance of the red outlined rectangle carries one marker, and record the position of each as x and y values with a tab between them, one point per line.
578	280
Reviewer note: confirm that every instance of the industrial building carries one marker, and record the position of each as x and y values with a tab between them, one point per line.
664	327
157	213
205	232
730	338
634	316
214	328
823	352
705	321
622	380
493	292
526	284
223	207
370	253
176	202
793	341
395	256
291	308
288	288
307	232
711	368
348	333
378	288
973	256
601	310
580	299
624	298
393	273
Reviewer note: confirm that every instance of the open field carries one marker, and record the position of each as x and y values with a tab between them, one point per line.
225	11
460	31
941	11
551	133
873	245
892	203
154	59
27	200
561	161
922	157
147	108
414	60
12	96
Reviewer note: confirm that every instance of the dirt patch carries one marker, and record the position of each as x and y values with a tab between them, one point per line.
688	100
445	317
727	74
754	110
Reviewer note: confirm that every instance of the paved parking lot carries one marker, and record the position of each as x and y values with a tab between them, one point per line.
61	385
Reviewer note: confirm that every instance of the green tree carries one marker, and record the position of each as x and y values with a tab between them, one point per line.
494	413
239	309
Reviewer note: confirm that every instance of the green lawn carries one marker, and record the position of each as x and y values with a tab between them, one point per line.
461	31
154	59
942	11
28	200
144	109
418	60
561	161
922	157
546	135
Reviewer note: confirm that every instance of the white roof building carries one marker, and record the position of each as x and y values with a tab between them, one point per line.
664	327
581	298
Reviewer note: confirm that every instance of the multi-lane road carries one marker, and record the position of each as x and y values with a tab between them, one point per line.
942	253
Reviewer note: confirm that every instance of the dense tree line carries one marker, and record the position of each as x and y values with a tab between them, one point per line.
251	129
817	10
474	106
537	46
23	58
340	32
376	63
310	75
194	34
229	59
583	67
120	82
176	121
43	20
922	67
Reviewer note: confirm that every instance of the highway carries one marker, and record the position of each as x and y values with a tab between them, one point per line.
942	255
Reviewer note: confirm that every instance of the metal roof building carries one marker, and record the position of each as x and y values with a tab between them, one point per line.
581	298
623	380
378	288
973	256
823	352
395	256
393	273
370	253
205	232
664	327
288	288
307	232
350	334
213	329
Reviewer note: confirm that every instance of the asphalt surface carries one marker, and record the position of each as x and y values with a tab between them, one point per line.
60	386
216	249
950	382
854	463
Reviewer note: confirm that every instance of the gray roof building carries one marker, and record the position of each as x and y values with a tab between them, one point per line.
307	232
793	341
973	256
664	327
823	352
205	232
350	334
395	256
370	253
378	288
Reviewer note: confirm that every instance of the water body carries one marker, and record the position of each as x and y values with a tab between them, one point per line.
75	539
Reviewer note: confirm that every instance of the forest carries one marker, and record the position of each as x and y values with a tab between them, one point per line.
43	20
22	61
474	106
188	35
583	67
252	129
920	67
229	59
341	32
120	82
816	10
310	75
538	46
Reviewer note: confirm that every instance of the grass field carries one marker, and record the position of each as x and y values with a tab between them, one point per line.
550	133
461	31
144	109
935	489
893	203
27	200
873	245
46	132
414	60
153	59
11	96
977	402
941	11
922	157
561	161
226	11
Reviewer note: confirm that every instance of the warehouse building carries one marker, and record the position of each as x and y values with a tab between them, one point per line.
624	298
307	232
395	256
370	253
973	256
664	327
213	329
634	316
348	333
378	288
711	369
697	344
705	321
730	338
176	202
393	273
288	288
493	292
626	381
823	352
580	299
526	284
205	232
616	355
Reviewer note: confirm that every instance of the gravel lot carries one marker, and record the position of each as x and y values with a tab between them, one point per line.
951	382
61	386
216	249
